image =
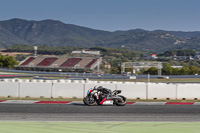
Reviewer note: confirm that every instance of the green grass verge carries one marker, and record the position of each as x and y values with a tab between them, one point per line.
99	127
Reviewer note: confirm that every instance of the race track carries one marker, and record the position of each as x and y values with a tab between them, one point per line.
79	112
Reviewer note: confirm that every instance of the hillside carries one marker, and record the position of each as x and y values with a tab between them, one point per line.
56	33
184	34
47	32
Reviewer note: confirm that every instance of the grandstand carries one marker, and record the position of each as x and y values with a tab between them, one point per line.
69	64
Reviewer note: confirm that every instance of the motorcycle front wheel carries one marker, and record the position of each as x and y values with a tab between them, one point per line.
121	101
89	101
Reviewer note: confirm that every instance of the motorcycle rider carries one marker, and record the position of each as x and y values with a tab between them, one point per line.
102	93
104	90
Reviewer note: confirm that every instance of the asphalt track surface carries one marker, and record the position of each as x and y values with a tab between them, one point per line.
79	112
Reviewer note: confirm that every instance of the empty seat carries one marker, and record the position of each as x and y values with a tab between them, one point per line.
84	62
89	65
47	61
71	62
36	61
58	62
26	62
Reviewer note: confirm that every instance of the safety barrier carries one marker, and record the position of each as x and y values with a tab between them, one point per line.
161	91
78	89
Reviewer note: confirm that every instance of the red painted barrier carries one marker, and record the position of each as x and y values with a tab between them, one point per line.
8	75
130	102
179	103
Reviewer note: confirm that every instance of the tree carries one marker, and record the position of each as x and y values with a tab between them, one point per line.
176	71
185	70
194	70
184	52
7	61
2	60
152	71
115	70
21	57
167	69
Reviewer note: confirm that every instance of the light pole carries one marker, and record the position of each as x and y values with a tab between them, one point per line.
148	78
35	49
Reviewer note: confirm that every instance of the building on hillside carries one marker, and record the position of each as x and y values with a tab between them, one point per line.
177	66
197	55
150	56
183	57
107	65
86	52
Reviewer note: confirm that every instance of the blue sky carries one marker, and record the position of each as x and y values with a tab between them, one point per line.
110	15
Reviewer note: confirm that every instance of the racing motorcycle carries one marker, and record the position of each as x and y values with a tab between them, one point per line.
104	96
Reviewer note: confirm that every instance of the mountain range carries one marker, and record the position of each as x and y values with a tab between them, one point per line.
57	33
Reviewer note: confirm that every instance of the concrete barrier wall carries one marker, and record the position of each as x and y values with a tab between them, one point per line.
9	89
133	90
161	91
79	88
188	91
32	89
67	90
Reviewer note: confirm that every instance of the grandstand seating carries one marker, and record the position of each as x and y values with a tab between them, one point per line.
71	62
91	63
36	61
47	61
26	62
84	62
58	62
55	63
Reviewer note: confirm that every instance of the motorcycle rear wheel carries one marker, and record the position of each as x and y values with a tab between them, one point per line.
89	101
121	102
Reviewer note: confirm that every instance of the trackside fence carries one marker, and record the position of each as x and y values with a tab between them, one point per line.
78	88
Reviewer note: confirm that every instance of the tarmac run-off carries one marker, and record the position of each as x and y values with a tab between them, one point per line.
81	103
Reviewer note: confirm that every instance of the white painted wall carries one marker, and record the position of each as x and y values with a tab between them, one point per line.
67	90
133	90
32	89
70	89
9	89
188	91
161	91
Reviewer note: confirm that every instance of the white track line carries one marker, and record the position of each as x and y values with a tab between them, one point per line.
149	103
20	101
